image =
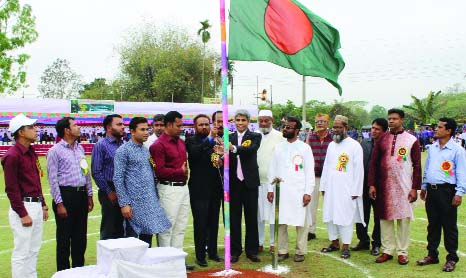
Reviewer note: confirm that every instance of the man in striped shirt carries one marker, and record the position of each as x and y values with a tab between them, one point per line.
319	142
71	189
103	154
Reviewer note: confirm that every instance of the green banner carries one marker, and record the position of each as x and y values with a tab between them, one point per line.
90	105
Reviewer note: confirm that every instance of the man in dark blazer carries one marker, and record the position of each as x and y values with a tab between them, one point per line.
205	188
244	187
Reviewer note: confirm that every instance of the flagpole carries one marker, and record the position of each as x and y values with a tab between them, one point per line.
304	100
226	137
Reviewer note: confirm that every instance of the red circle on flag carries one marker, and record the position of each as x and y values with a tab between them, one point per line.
287	26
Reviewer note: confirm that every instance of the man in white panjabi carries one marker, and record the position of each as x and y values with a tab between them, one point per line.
270	139
342	184
293	165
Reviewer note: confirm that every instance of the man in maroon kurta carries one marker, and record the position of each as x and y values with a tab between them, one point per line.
394	178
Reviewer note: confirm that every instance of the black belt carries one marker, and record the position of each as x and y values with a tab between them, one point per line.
173	183
438	185
32	199
73	188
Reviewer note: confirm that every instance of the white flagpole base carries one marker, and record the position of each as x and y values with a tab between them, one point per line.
281	269
225	273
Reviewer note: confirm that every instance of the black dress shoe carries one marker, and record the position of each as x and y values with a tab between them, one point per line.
449	266
375	251
202	263
189	267
254	258
311	236
216	258
234	259
360	247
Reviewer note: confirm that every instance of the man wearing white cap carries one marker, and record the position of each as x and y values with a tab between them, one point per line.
22	186
270	139
342	184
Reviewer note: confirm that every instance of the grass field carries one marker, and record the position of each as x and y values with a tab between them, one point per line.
361	264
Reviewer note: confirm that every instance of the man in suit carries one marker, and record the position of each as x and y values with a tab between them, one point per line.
244	186
205	188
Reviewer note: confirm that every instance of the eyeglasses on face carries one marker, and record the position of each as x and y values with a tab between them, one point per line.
288	127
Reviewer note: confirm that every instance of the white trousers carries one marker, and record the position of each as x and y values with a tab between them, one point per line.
335	231
314	205
261	228
265	213
175	202
27	241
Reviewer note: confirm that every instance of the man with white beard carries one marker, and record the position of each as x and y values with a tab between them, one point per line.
270	139
341	184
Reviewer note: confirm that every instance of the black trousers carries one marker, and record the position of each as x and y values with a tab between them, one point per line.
71	233
205	221
112	220
442	215
361	231
240	197
129	232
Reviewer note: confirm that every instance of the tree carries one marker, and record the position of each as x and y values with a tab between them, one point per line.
98	89
17	29
60	81
454	108
354	110
205	37
377	111
164	65
424	109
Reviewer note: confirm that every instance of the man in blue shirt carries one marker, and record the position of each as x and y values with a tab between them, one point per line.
102	172
443	187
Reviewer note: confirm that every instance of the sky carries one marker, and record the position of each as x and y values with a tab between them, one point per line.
392	49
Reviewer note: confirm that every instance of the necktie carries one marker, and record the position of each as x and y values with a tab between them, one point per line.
239	170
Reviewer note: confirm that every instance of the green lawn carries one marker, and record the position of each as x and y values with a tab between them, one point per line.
361	264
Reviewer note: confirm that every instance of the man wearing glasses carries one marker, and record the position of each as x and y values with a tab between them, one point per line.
244	187
292	165
319	141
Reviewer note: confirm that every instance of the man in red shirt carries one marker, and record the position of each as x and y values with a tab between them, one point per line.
22	186
171	169
319	142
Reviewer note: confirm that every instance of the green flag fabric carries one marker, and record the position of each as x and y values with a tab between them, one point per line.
285	33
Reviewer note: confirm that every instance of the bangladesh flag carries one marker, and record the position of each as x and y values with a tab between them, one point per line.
285	33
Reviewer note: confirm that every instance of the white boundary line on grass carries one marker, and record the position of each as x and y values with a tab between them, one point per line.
45	242
53	219
347	262
426	220
441	245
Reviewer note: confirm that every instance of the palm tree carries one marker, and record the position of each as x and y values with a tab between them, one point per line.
423	109
205	36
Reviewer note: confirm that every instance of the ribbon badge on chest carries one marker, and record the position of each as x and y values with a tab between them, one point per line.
152	162
342	161
39	168
246	143
402	154
447	168
84	166
298	161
